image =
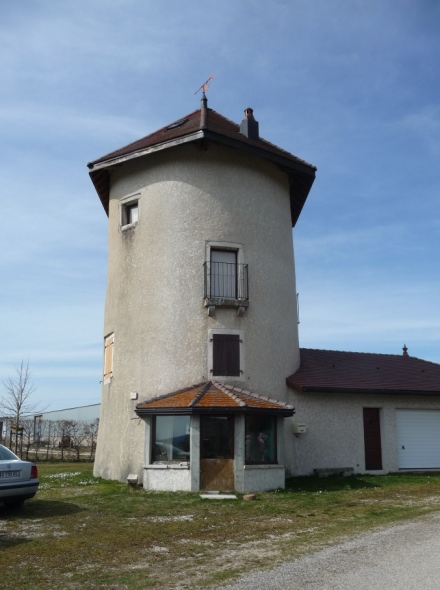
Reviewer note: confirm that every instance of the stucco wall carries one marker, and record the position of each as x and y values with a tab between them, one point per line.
335	431
261	478
169	478
154	301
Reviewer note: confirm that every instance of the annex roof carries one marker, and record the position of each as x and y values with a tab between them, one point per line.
213	397
204	126
333	371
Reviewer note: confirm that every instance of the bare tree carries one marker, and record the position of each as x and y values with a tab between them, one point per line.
28	436
16	401
91	431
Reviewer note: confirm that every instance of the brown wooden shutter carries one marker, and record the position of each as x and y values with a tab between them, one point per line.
108	356
226	355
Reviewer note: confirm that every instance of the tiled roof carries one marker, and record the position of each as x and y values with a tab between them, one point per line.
335	371
208	397
207	125
192	123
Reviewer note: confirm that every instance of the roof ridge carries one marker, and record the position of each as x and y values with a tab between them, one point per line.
201	393
389	354
251	394
227	389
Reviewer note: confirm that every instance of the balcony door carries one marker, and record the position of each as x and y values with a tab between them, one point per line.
223	274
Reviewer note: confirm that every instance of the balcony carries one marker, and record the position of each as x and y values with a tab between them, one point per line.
226	285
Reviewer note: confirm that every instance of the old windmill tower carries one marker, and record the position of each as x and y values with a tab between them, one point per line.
200	318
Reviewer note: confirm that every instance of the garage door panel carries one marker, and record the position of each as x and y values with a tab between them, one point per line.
418	439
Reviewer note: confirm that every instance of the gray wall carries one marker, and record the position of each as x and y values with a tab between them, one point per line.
335	431
154	299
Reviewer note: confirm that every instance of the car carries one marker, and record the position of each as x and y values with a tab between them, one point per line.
18	479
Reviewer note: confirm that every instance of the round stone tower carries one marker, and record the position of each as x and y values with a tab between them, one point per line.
201	281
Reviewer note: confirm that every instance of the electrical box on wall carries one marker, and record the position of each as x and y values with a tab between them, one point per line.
298	428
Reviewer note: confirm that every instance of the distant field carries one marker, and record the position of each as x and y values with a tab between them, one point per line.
82	532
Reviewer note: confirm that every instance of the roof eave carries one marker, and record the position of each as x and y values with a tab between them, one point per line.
100	171
147	150
301	175
221	410
360	390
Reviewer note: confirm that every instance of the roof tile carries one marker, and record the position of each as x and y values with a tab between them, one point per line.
207	125
212	395
333	370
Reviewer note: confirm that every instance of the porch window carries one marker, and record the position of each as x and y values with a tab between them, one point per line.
261	438
171	438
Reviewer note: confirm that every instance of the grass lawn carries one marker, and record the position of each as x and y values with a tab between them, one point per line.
83	532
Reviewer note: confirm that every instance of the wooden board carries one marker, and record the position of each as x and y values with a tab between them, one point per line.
217	474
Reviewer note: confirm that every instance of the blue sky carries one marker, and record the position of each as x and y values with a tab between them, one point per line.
351	86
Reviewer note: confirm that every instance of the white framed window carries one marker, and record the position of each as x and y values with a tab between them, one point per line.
109	342
226	354
129	211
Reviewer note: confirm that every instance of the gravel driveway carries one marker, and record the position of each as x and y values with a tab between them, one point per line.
401	557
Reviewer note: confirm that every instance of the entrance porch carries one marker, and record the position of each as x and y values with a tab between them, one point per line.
214	437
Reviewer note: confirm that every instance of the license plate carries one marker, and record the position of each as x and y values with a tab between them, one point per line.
9	474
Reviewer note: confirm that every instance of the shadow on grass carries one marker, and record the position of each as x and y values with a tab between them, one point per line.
328	484
7	542
40	509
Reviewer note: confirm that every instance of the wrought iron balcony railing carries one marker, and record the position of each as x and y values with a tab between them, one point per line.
226	281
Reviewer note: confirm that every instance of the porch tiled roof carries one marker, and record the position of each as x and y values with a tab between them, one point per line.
212	396
336	371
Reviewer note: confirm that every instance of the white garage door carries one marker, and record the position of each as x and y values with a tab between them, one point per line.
418	439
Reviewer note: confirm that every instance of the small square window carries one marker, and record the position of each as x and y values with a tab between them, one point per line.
129	212
132	213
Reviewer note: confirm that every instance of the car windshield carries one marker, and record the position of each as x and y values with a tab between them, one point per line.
6	454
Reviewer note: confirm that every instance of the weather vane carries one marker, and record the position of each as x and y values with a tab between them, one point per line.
205	86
